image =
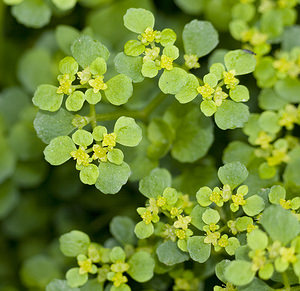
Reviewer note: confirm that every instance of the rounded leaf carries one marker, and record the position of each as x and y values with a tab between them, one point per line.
127	131
199	38
119	89
138	19
143	230
233	174
169	254
59	149
74	243
171	82
89	174
254	205
240	61
231	115
239	272
46	98
112	177
141	266
198	250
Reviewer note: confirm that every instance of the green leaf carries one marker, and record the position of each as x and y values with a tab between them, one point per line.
46	98
271	23
98	132
7	160
9	197
155	183
115	156
89	174
234	275
211	216
149	69
220	270
276	193
231	115
288	89
49	125
141	266
257	240
233	174
143	230
65	4
127	131
75	279
32	13
38	270
91	97
199	38
82	138
198	250
167	37
269	122
112	177
240	61
59	149
98	66
133	48
75	101
138	19
290	37
85	50
60	285
193	7
169	254
269	100
189	91
119	89
31	73
239	94
254	205
68	65
129	66
122	228
196	216
208	107
280	224
74	243
171	82
194	136
117	254
65	36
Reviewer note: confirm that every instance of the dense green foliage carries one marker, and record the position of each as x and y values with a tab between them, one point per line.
186	110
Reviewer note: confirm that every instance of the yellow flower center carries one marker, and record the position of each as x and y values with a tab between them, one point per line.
109	139
229	80
119	279
166	62
98	84
84	76
81	157
238	199
65	82
99	153
191	61
149	35
206	91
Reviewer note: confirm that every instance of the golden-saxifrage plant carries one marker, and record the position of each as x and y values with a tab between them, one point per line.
241	222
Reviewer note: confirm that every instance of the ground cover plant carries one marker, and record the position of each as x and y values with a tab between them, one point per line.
149	145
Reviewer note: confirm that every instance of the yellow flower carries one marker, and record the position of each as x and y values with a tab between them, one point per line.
206	91
99	153
289	116
182	222
119	267
180	233
213	227
166	62
86	265
216	197
161	201
149	35
175	211
81	156
219	96
258	259
238	199
118	279
84	76
151	54
278	156
147	216
191	61
98	84
65	82
211	237
263	140
286	204
109	140
229	80
223	241
288	254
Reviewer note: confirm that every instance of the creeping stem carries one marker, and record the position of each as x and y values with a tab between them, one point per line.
92	117
286	282
142	115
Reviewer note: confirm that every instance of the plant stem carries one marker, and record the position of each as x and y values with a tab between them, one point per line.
286	282
93	118
2	12
142	115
